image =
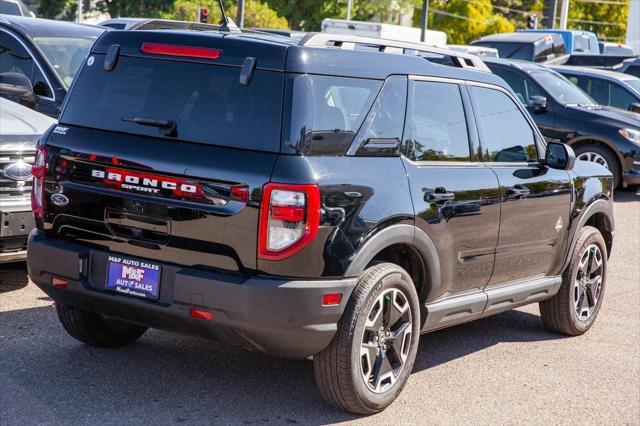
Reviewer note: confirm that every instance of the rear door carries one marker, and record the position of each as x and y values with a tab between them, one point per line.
535	200
163	156
455	197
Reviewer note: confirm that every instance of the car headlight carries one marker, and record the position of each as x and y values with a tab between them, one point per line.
630	135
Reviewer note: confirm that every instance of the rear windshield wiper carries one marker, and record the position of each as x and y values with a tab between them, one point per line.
169	127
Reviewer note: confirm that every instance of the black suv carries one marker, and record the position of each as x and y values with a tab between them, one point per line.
280	196
564	113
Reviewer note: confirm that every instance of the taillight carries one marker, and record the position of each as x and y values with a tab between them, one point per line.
37	190
289	219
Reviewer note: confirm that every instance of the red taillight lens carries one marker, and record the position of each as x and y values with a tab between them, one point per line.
37	190
289	219
331	299
175	50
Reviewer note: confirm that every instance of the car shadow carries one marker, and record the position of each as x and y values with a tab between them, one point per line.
631	194
166	378
13	276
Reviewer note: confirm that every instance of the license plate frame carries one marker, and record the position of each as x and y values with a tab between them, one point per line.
133	277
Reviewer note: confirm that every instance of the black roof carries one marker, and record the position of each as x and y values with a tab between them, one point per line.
36	27
279	53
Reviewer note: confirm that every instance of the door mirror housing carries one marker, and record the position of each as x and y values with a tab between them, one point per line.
635	107
16	84
559	156
538	103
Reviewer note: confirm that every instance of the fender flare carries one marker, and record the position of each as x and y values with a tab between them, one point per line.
599	205
400	234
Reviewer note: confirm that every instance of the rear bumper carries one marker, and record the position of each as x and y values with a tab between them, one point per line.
274	316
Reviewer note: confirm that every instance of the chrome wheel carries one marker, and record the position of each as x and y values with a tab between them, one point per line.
587	284
594	157
386	340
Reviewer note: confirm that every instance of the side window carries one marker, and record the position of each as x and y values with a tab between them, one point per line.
505	134
436	125
620	97
523	87
15	58
634	70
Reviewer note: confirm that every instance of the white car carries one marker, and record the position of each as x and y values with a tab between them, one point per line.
20	128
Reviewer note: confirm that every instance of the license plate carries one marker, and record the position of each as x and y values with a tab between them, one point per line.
133	277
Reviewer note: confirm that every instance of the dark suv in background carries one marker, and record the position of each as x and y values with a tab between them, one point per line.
277	195
39	59
564	113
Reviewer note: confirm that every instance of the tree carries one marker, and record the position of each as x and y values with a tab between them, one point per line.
134	8
256	14
608	20
52	9
464	20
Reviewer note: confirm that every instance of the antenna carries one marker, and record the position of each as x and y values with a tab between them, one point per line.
228	26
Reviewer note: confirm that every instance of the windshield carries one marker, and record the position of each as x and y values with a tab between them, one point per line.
65	54
561	89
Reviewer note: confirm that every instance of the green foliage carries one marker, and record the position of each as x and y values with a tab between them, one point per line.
473	19
614	15
256	13
135	8
52	9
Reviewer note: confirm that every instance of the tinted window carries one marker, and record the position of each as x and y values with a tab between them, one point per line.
560	88
385	120
523	86
326	110
65	54
15	58
9	8
436	125
511	50
633	70
505	134
206	102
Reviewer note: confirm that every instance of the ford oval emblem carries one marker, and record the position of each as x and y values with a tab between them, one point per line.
59	200
19	171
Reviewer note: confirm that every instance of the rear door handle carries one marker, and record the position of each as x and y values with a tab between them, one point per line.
439	197
515	191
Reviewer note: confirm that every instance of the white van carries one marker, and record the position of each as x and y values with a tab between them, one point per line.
386	31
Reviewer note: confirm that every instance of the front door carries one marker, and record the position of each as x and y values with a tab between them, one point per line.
456	198
535	200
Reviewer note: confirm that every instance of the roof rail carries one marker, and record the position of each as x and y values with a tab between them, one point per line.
348	41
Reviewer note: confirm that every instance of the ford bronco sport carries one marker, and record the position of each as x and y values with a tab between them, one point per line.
332	197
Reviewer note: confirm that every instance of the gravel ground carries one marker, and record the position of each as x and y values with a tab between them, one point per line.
504	369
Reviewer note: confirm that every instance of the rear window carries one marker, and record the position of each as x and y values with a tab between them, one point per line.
206	102
511	50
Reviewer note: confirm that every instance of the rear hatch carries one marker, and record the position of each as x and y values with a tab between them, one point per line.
162	152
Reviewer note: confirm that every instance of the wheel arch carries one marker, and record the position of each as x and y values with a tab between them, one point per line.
408	247
599	214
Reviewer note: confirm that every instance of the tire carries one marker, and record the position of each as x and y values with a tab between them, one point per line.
94	330
560	313
384	293
597	153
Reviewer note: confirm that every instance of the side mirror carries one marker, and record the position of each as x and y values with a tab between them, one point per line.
560	156
16	84
538	103
635	107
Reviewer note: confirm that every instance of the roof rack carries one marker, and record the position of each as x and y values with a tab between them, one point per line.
349	42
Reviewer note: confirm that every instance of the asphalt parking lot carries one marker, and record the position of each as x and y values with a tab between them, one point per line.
504	369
